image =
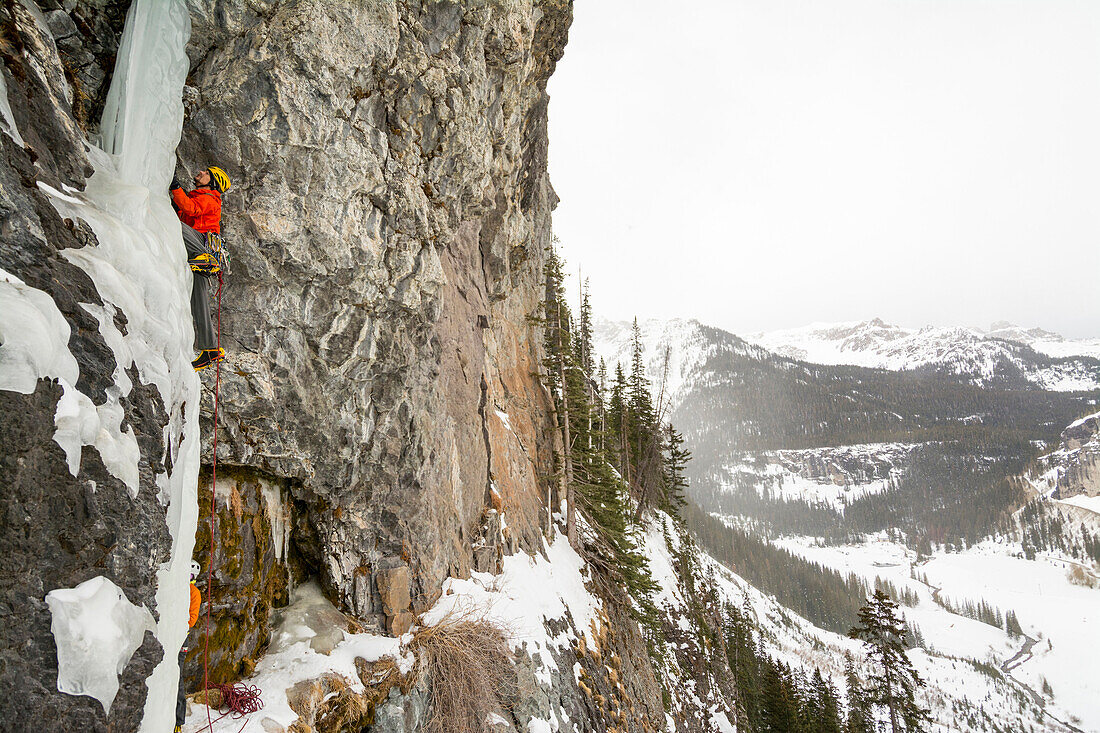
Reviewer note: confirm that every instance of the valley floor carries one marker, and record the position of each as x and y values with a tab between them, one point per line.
1060	620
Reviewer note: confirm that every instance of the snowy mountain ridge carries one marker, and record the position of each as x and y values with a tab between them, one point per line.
687	343
1042	358
1004	356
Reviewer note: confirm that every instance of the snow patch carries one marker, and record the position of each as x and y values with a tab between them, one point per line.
309	640
97	630
528	592
7	119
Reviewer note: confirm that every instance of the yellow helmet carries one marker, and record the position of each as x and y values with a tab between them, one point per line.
221	180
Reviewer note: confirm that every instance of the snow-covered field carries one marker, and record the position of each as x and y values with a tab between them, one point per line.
1065	618
1092	503
1062	617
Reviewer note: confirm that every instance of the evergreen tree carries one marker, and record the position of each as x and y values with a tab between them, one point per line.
559	351
860	718
585	466
777	709
584	332
1012	625
675	482
826	710
893	681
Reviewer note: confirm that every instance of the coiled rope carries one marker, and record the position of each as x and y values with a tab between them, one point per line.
241	699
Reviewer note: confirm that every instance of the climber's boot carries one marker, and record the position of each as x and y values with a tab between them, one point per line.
208	357
204	264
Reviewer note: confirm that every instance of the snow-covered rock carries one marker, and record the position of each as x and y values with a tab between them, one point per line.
1072	471
99	436
673	351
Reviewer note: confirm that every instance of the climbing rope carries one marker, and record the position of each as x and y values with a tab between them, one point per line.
213	498
241	699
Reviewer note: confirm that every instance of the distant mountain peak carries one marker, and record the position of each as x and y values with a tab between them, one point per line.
1040	357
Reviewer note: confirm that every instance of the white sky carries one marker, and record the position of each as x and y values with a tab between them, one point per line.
762	164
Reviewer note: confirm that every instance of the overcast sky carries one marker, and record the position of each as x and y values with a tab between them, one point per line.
763	164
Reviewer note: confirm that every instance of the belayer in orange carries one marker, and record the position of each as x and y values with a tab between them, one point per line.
200	211
192	617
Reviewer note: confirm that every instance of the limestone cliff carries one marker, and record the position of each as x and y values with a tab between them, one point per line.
1074	468
388	221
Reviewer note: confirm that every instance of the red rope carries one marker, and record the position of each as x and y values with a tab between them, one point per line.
213	498
241	699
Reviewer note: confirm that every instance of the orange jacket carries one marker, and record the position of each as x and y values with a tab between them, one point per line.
196	599
200	209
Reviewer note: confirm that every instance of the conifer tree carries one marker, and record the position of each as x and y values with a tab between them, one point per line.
587	479
675	480
558	349
1012	625
584	332
893	681
826	711
860	719
777	711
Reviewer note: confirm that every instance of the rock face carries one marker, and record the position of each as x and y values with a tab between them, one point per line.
388	221
1077	462
381	423
87	33
251	572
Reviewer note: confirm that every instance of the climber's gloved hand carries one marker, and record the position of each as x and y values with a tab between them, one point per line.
174	184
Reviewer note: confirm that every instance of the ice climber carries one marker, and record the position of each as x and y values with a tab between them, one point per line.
192	617
200	211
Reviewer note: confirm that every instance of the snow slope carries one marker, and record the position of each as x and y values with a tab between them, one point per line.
1045	342
1049	608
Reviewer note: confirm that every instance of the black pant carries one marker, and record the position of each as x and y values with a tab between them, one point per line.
205	338
181	696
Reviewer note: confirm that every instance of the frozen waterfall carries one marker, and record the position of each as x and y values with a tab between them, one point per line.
139	268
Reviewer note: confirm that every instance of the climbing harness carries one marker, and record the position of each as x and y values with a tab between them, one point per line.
221	253
214	263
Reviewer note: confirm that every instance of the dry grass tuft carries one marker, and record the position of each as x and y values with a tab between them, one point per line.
211	698
1079	576
304	697
380	677
471	674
